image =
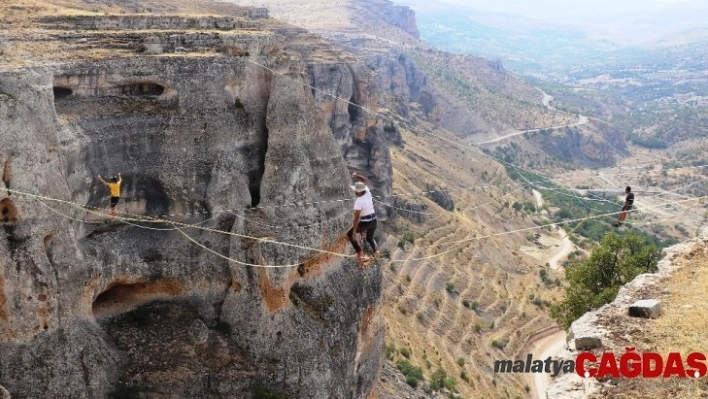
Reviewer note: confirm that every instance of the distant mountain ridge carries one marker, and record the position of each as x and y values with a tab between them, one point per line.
546	49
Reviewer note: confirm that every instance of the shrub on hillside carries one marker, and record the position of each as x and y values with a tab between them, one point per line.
596	281
413	374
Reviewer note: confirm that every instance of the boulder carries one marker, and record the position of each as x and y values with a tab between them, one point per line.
647	308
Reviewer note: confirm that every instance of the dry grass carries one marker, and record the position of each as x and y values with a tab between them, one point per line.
311	15
681	328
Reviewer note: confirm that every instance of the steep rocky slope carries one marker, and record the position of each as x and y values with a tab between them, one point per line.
91	307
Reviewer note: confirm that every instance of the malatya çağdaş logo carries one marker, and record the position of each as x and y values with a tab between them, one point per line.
628	365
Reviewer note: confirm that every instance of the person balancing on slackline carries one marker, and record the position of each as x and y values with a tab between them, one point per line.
628	202
114	187
364	219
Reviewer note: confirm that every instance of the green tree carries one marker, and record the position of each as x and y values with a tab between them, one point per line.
517	206
596	281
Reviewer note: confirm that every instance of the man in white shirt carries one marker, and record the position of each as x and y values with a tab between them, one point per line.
364	218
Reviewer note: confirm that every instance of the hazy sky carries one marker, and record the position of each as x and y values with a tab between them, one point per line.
632	20
544	9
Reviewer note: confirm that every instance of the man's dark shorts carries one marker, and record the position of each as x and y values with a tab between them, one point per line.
627	208
114	201
366	226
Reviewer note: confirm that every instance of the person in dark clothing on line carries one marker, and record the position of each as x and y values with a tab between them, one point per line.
364	219
628	202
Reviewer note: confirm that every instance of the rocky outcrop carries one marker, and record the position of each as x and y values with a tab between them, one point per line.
141	22
442	198
91	307
596	145
408	209
350	96
399	16
590	333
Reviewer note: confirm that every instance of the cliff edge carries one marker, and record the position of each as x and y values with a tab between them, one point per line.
219	149
677	284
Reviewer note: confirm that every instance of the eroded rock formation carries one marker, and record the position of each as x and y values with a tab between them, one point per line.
91	307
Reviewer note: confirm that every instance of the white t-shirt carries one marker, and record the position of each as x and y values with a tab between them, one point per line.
365	204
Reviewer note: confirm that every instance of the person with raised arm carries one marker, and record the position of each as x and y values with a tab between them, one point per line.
364	219
114	187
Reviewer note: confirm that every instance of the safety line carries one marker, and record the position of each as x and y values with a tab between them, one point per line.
452	244
403	209
467	240
181	232
400	120
163	221
231	259
330	220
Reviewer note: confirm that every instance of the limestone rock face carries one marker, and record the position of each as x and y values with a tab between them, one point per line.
91	307
349	96
598	146
399	16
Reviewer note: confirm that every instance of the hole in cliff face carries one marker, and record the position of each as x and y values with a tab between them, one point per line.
255	177
353	110
7	174
178	339
143	89
240	109
62	92
48	241
152	191
123	297
254	188
8	211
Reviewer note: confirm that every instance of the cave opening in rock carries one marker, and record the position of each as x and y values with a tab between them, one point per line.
61	92
123	297
353	110
240	109
48	241
7	174
255	177
254	188
143	89
8	211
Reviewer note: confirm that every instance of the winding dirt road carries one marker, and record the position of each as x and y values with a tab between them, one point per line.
541	347
552	340
567	248
582	120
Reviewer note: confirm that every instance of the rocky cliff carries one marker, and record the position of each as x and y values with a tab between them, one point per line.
355	102
92	308
399	16
596	144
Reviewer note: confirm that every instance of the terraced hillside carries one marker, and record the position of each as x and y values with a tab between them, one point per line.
459	307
